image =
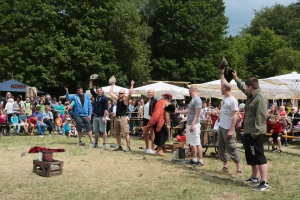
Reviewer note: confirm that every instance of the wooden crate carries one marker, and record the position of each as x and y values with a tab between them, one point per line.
48	169
173	147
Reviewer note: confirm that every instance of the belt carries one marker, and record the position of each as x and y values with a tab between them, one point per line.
121	116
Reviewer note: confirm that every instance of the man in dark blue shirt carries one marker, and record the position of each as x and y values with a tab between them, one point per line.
100	111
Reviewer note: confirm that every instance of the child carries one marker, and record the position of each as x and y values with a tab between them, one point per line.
276	130
282	112
58	123
15	122
69	128
2	121
32	124
23	120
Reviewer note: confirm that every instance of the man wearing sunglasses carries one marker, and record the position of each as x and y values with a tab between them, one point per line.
121	124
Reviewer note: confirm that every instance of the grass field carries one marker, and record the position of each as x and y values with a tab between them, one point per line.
90	173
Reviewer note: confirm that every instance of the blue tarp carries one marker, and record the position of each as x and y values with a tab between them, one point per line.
14	86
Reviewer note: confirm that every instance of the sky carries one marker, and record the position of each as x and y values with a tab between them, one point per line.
241	12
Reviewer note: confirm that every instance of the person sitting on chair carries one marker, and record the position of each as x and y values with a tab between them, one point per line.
276	130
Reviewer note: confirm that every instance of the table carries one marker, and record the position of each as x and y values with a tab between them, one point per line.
212	140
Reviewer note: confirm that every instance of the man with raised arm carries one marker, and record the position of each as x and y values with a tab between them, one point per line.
82	113
121	124
226	138
255	127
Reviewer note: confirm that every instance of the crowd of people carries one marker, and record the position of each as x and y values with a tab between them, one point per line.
40	112
94	115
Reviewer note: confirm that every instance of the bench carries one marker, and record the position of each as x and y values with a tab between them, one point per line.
283	136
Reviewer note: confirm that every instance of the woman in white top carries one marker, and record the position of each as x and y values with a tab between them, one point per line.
148	109
9	108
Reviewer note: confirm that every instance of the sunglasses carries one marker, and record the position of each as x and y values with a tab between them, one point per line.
121	93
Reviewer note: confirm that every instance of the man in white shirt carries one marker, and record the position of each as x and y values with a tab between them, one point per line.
227	135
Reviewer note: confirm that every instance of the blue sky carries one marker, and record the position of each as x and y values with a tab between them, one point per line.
241	12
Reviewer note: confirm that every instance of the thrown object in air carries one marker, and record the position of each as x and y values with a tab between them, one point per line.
112	80
223	63
94	76
228	71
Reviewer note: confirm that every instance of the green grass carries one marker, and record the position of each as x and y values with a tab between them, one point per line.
90	173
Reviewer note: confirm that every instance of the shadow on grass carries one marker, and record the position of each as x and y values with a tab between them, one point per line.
206	174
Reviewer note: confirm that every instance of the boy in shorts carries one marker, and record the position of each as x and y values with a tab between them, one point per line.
276	130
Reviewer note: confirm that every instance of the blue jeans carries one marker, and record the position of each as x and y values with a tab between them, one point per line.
41	129
17	127
132	124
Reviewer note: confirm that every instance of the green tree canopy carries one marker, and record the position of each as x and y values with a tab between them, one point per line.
187	39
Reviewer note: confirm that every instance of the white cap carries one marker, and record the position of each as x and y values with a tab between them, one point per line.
69	119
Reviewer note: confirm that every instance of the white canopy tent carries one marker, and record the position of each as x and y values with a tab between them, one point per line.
288	84
161	88
212	89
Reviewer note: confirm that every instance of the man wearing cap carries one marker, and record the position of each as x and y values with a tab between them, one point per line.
82	113
193	126
121	124
295	117
100	112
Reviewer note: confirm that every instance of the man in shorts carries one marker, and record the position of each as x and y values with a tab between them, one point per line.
255	127
193	126
82	113
121	124
100	112
227	134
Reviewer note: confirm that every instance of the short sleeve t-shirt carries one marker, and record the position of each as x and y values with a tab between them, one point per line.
229	105
146	111
196	102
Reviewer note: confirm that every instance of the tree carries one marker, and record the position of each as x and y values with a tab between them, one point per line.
129	34
283	20
187	39
45	42
262	49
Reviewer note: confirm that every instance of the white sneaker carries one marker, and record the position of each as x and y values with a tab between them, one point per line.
92	144
149	151
104	147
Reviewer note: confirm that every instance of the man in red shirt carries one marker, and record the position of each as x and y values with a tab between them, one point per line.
276	130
